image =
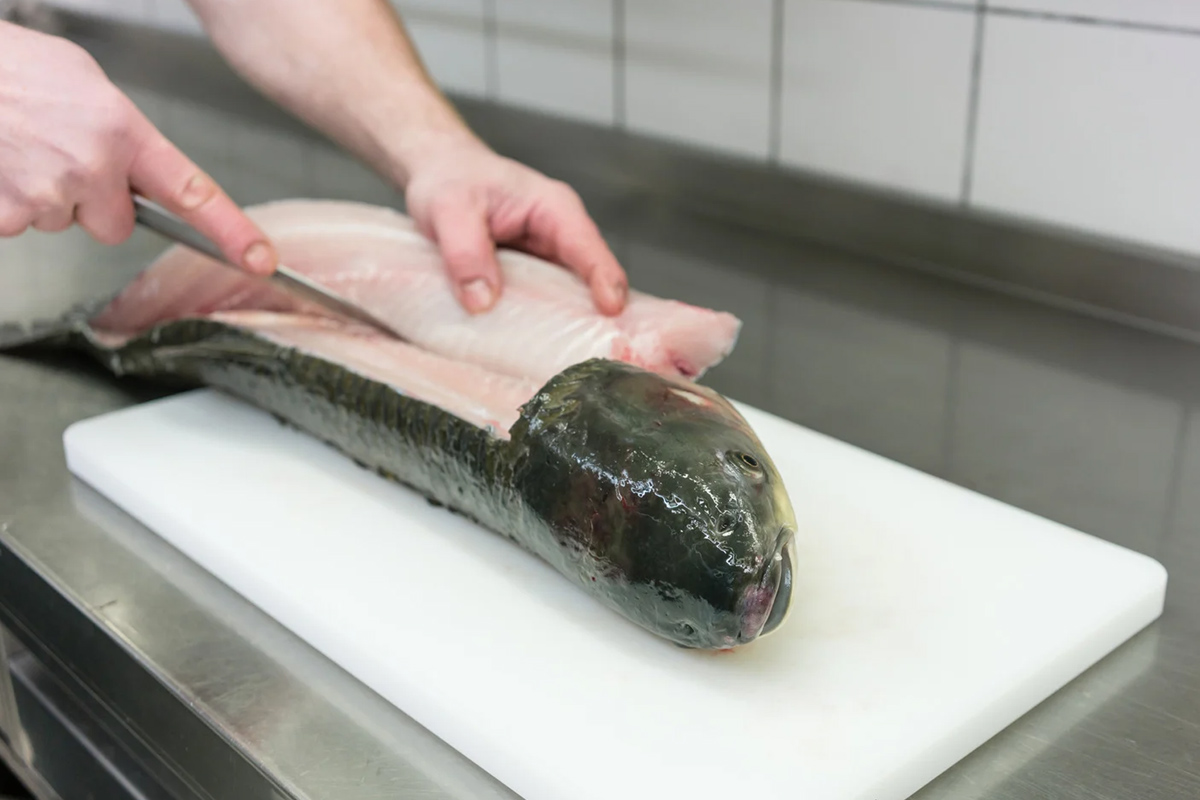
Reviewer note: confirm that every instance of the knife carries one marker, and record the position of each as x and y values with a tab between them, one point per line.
172	227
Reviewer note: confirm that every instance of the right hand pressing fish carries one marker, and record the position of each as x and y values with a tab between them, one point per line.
73	148
349	68
469	199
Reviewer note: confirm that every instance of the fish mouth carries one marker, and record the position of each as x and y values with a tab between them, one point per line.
782	603
766	606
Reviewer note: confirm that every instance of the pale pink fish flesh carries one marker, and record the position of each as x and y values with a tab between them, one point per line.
544	321
474	394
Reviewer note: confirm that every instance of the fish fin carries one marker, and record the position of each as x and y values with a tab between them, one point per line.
251	353
54	334
57	332
202	340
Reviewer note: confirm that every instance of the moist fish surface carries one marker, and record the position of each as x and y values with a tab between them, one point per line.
649	492
544	320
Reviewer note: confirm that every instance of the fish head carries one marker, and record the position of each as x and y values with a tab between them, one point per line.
666	500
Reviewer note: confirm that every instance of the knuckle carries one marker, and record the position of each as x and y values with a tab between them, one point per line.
69	52
565	192
43	197
460	256
89	167
114	116
13	221
450	205
195	190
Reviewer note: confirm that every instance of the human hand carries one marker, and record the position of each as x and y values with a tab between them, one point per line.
469	199
73	148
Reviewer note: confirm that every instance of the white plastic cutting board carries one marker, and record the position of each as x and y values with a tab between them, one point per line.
926	617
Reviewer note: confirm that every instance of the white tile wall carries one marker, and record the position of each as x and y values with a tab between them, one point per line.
557	57
1084	121
700	72
878	92
449	35
449	8
1183	13
1091	127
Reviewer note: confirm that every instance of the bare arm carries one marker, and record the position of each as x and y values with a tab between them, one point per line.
348	68
344	66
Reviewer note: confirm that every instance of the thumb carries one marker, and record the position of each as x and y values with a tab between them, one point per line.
462	234
162	173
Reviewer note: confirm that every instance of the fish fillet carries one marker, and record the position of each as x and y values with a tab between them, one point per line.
544	321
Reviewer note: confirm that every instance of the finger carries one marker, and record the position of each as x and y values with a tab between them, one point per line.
14	219
54	219
461	231
576	243
107	214
165	175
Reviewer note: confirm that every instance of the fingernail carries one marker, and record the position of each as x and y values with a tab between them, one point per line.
477	295
198	189
617	293
620	290
258	258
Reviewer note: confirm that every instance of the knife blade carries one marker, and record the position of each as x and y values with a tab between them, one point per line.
166	224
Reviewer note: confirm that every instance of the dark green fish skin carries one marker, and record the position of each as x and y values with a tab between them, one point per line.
653	496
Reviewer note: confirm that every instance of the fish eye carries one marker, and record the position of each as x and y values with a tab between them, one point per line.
687	629
726	523
748	461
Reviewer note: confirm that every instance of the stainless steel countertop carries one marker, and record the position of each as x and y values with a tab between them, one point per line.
1079	420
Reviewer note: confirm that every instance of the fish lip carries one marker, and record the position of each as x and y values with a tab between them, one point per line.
781	605
780	591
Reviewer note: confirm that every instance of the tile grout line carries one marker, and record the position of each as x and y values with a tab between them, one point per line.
618	61
1079	19
775	100
971	132
944	4
491	54
1049	16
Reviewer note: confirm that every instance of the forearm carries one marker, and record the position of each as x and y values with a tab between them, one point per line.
346	67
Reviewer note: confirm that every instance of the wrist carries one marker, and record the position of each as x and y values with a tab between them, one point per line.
430	129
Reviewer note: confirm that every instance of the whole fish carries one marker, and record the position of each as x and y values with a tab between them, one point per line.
648	491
